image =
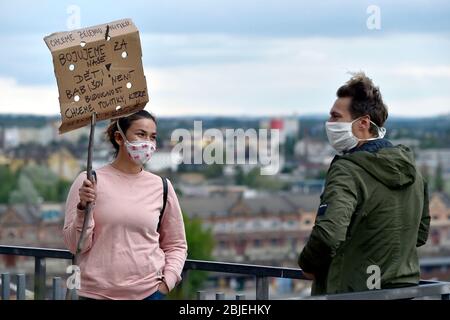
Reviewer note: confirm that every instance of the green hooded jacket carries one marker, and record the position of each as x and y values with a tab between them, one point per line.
373	212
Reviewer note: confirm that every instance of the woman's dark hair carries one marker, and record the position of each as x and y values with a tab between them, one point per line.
125	124
366	99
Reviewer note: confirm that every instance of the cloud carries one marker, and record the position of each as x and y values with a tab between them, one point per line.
28	99
434	72
295	74
421	107
274	18
224	74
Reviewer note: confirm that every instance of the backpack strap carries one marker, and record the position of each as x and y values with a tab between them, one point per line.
165	191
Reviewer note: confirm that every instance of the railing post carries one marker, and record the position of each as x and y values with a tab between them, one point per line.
5	286
220	296
71	294
201	295
20	292
184	286
56	289
39	278
262	288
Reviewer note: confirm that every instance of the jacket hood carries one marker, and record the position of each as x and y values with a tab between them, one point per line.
393	166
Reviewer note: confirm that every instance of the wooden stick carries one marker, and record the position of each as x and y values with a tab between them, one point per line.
87	212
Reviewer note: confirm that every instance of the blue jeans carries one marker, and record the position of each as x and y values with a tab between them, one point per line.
158	295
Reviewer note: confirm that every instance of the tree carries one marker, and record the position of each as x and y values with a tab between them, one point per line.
200	245
63	187
255	180
239	176
290	147
8	183
35	179
25	193
438	179
44	181
213	171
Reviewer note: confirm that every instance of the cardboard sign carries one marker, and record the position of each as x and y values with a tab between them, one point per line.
98	69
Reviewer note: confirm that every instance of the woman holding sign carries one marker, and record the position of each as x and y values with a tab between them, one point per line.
135	245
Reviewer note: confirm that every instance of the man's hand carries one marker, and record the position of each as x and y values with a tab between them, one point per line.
309	276
163	288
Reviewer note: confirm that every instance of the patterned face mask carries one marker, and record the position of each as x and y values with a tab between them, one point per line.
139	151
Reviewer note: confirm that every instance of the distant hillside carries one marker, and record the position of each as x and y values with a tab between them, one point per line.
433	132
10	120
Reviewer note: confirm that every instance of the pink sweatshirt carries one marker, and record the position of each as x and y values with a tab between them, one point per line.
124	257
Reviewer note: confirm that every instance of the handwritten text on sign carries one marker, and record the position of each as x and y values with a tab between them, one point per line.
98	69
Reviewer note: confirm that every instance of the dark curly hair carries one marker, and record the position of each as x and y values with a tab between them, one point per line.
125	123
366	99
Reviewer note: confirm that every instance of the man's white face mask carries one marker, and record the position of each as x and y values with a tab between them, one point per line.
341	137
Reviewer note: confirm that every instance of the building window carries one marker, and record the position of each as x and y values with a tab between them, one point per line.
218	226
240	225
257	224
257	243
293	243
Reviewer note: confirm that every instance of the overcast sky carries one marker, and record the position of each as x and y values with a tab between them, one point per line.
244	57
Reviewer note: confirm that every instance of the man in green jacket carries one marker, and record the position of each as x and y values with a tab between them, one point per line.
374	210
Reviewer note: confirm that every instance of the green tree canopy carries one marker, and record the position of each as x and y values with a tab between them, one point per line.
200	245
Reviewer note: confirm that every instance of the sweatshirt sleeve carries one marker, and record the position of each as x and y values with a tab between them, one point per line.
74	218
173	239
338	203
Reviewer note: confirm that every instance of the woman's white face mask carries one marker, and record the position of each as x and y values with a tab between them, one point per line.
341	137
139	151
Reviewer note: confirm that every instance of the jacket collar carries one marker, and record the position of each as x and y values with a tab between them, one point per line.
372	146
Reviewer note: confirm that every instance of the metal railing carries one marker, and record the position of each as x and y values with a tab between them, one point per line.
439	289
261	274
40	255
